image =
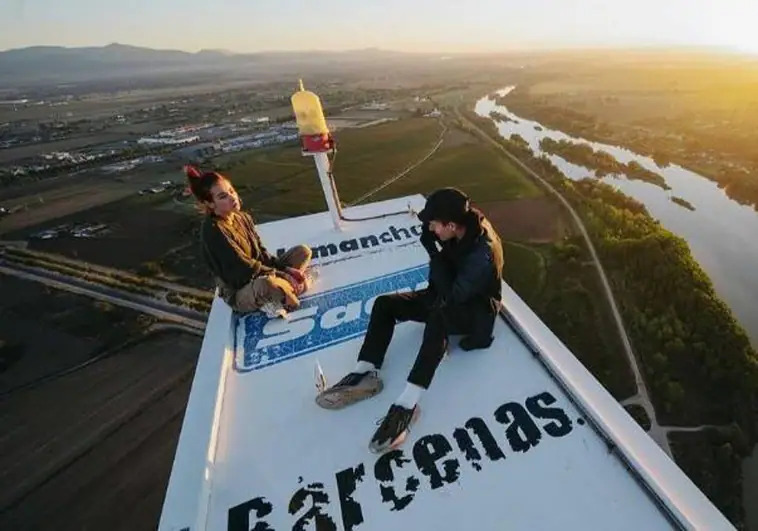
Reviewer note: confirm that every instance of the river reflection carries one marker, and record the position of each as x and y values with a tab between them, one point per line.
721	233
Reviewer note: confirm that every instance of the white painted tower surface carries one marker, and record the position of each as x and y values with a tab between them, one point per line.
518	436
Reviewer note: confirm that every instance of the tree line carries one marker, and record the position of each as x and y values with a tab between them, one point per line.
602	162
696	358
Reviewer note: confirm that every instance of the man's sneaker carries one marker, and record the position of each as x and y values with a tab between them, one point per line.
351	389
394	428
274	309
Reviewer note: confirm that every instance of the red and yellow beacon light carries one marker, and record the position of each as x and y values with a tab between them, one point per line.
311	124
318	143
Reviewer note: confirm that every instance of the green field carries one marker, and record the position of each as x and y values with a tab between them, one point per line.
475	168
282	182
524	270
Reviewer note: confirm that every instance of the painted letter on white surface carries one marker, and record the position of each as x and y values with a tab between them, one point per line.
278	331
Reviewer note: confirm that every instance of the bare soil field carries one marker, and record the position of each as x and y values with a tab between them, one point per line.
455	137
46	331
530	219
9	155
34	188
141	229
84	450
75	200
139	233
98	105
53	198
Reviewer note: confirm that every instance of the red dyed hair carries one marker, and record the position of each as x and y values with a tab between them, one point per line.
200	182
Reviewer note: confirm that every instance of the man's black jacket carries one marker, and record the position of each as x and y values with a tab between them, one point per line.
467	271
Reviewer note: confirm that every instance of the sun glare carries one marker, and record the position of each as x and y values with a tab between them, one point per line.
739	32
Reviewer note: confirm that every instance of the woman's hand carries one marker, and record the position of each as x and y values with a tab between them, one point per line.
288	292
295	277
295	273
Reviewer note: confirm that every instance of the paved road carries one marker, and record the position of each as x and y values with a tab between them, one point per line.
160	309
692	429
642	398
116	273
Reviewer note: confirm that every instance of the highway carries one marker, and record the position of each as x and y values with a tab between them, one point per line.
161	309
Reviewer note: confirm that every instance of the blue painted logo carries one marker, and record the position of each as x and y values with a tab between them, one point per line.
322	320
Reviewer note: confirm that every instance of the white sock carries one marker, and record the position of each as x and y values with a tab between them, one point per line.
410	396
364	366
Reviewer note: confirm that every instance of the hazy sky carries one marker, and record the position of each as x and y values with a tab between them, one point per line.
424	25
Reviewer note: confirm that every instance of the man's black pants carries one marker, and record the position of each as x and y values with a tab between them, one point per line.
417	306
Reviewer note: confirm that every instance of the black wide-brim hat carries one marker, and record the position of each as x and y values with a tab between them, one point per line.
445	204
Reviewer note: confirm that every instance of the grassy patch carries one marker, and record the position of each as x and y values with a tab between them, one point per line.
283	182
476	168
573	305
524	270
638	414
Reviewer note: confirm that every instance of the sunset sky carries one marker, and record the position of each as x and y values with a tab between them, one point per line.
417	25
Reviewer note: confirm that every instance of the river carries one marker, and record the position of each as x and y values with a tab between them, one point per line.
721	233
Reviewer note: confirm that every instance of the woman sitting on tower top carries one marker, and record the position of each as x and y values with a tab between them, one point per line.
249	278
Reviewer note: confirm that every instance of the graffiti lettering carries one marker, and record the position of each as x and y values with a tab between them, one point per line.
522	432
319	500
383	473
483	433
322	320
434	458
347	481
239	515
430	449
325	250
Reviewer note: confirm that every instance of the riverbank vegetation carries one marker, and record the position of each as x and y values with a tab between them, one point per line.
695	111
559	283
696	359
601	162
500	117
712	458
682	202
639	414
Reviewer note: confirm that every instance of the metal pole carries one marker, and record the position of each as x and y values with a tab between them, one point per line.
332	200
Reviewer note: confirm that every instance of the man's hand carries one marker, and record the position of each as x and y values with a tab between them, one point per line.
429	241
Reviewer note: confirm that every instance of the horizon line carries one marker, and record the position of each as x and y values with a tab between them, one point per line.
525	48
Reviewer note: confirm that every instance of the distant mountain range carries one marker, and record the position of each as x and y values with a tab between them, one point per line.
55	64
117	65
